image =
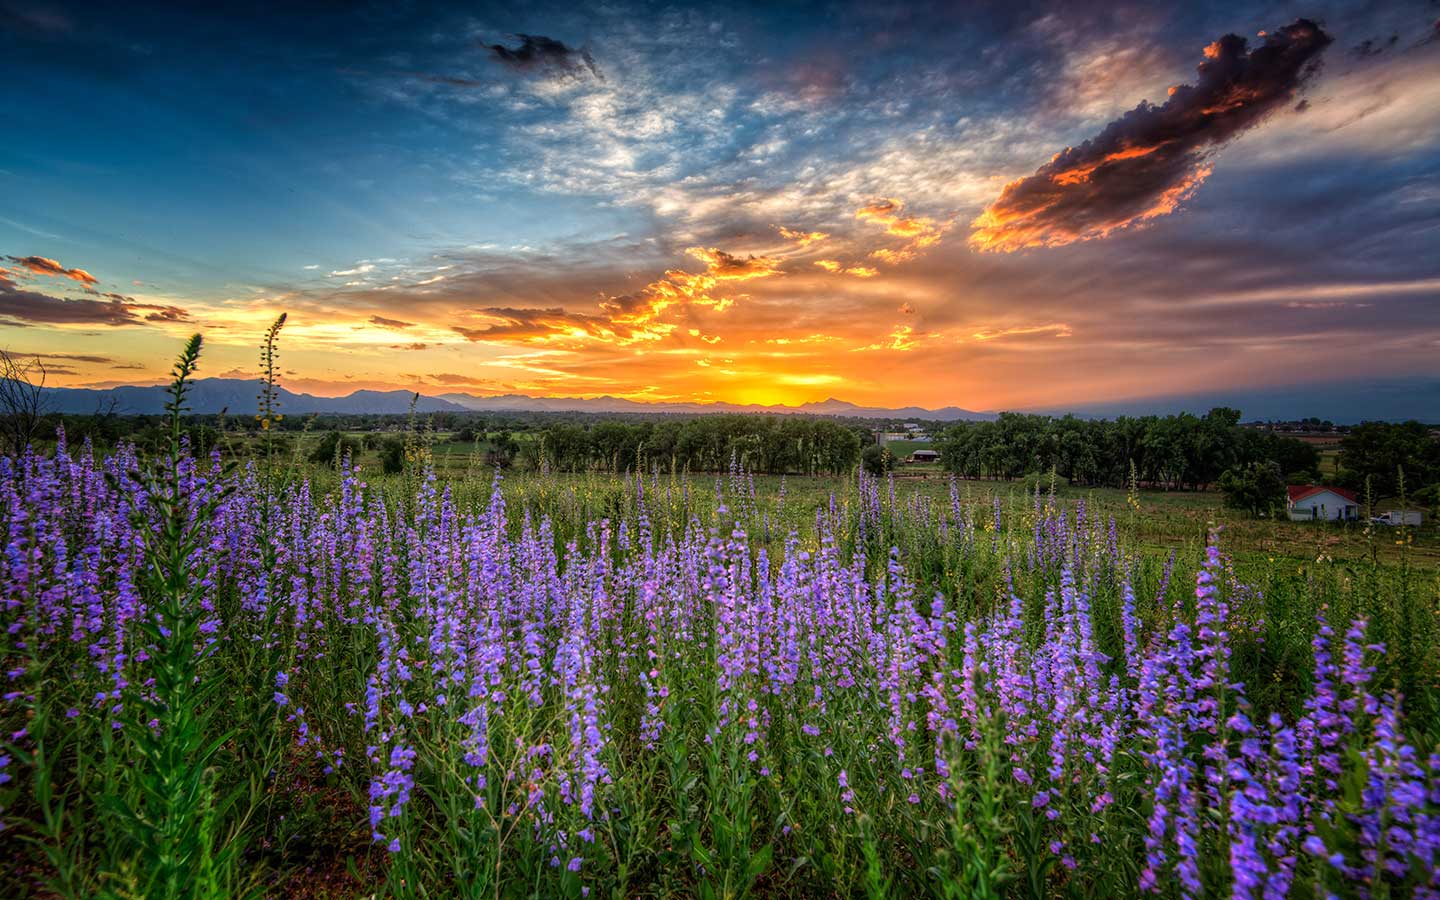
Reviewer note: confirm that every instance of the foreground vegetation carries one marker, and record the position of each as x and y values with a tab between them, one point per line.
276	680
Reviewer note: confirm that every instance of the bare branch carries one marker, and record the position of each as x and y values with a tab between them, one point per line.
23	401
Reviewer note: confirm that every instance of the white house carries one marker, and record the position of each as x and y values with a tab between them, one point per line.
1316	502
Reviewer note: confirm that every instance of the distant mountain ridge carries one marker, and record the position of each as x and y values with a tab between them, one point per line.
238	396
607	404
1343	403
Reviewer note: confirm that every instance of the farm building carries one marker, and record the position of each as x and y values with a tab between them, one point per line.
1309	502
924	456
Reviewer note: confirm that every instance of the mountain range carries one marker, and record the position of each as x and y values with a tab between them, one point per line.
240	398
607	404
1342	403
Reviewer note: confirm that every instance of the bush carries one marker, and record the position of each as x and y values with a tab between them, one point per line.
392	455
1428	497
877	459
332	447
466	435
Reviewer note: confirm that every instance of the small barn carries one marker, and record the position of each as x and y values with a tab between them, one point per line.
925	456
1314	502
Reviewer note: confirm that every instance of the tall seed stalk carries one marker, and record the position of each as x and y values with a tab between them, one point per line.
269	397
169	810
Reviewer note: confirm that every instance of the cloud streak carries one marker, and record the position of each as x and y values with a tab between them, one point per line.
65	357
1146	163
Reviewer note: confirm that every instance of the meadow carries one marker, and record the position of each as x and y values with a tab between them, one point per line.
271	678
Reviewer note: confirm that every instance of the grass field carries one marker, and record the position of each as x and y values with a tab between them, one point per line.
902	449
1161	520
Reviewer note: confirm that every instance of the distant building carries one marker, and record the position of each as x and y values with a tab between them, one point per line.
1308	502
924	456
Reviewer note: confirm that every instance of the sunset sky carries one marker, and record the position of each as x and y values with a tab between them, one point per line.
1015	205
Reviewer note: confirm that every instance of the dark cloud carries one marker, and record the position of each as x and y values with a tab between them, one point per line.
449	378
25	307
155	312
540	54
728	265
1147	162
882	208
39	265
38	22
414	346
1374	46
396	324
67	357
534	324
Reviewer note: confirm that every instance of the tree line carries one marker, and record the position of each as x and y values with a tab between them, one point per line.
1177	452
1377	455
769	444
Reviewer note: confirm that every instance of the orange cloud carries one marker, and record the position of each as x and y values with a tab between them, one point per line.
902	338
836	267
803	238
629	318
887	212
40	265
922	232
724	265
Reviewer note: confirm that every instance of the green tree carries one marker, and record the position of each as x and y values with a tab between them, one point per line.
1256	487
1379	450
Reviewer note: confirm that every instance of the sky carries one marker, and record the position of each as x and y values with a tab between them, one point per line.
996	206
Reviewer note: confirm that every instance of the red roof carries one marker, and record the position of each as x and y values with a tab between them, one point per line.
1299	492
